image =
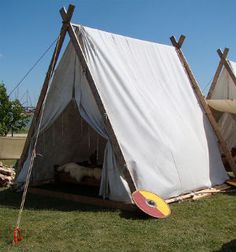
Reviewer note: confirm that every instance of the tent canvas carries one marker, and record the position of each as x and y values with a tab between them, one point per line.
222	98
141	108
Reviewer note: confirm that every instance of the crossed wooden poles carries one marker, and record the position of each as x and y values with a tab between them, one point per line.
225	63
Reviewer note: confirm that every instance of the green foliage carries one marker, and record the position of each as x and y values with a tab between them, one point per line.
5	106
8	163
12	116
18	119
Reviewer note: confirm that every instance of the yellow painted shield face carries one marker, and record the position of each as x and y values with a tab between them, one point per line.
151	204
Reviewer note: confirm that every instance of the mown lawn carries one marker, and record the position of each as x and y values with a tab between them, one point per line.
57	225
8	163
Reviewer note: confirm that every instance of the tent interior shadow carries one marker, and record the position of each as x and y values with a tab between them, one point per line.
11	199
228	247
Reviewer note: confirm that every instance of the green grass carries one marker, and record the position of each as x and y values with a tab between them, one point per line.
57	225
8	163
22	131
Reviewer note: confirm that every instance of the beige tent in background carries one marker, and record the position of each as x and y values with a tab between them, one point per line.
222	98
11	147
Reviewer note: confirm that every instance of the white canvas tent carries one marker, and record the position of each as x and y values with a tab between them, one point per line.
136	99
222	98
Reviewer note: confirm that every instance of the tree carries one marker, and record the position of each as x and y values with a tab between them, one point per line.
5	106
12	116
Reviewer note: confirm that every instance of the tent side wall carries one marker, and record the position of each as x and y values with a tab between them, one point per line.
146	91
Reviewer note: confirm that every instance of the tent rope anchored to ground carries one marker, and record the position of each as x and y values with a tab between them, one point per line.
17	236
140	101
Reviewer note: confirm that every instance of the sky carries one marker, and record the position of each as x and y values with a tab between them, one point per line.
28	27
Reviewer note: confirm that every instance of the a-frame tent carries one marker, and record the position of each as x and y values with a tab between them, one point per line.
222	97
137	104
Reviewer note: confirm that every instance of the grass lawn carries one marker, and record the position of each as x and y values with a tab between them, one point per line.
57	225
8	163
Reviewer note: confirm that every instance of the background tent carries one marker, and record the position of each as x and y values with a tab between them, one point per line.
222	98
165	138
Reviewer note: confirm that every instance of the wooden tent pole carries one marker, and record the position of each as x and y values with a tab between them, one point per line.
45	86
227	66
203	103
217	73
115	144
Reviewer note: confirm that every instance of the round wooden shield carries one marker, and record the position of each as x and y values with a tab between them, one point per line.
151	204
231	182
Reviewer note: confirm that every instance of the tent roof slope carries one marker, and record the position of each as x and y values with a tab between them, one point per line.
167	141
82	30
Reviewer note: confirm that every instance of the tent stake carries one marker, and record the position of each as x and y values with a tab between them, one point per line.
202	101
115	144
45	86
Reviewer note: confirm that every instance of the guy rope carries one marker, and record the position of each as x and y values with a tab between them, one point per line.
17	235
